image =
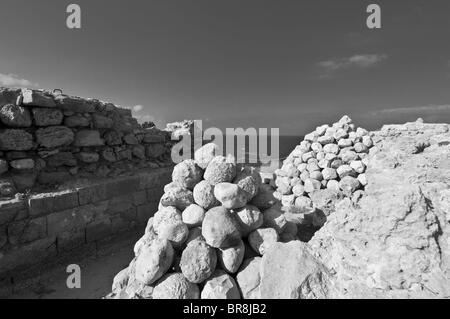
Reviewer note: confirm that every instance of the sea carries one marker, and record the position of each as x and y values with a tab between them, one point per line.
286	145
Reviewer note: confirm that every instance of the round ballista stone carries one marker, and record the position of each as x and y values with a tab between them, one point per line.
220	228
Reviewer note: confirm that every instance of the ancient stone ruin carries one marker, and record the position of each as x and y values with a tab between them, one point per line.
73	171
221	233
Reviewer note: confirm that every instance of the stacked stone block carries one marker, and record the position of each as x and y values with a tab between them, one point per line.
48	139
41	227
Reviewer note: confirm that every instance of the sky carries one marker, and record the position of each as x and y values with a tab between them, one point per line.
283	64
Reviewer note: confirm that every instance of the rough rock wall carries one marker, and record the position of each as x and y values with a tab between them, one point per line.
48	138
73	172
392	243
396	242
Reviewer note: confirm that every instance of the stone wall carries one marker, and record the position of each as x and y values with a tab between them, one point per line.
73	172
47	139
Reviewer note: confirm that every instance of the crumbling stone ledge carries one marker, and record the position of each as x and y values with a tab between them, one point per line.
40	227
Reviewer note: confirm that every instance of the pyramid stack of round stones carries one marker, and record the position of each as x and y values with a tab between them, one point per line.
215	221
332	157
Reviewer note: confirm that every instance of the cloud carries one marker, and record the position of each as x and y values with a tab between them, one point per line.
137	108
12	80
360	61
415	109
429	113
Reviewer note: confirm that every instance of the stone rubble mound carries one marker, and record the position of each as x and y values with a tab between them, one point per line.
215	221
329	164
393	243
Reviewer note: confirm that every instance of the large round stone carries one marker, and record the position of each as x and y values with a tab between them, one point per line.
220	228
249	180
204	195
204	155
198	261
220	170
193	216
179	197
249	278
154	261
231	258
230	195
220	286
166	215
175	286
15	116
174	231
187	174
249	218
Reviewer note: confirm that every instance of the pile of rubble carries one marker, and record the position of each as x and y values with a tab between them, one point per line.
332	158
215	221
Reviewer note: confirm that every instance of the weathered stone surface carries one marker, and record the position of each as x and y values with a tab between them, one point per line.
249	278
61	159
37	98
289	271
204	155
102	122
275	219
394	243
88	138
204	195
166	215
220	170
52	178
130	139
154	150
54	136
179	197
231	258
88	157
139	151
220	228
262	239
175	286
3	166
112	138
77	121
22	164
198	261
249	218
187	174
173	230
249	180
47	117
230	195
193	216
220	286
7	188
264	199
154	261
15	116
15	140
